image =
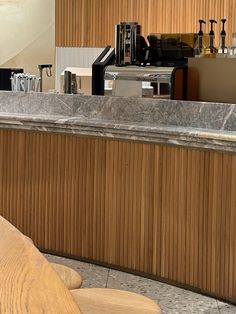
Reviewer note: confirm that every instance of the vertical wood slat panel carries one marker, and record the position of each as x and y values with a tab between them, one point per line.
166	211
90	23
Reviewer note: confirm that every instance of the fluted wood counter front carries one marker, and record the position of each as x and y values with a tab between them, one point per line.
167	211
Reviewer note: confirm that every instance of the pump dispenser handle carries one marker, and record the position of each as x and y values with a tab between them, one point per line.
223	36
223	27
200	37
200	33
212	35
212	23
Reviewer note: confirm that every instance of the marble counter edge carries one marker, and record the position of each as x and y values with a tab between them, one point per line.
170	135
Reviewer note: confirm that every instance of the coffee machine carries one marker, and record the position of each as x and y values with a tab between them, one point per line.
127	47
136	68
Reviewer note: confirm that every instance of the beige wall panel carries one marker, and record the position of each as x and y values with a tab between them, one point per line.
28	36
90	23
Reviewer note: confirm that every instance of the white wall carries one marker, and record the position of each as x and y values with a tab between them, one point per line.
28	35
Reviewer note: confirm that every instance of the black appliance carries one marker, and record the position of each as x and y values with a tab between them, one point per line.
171	49
5	77
127	48
160	66
107	57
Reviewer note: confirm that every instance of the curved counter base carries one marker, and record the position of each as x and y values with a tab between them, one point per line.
167	212
133	202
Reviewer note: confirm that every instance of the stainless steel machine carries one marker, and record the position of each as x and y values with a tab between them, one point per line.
151	81
139	69
48	68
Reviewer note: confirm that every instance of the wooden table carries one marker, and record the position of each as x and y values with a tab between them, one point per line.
28	282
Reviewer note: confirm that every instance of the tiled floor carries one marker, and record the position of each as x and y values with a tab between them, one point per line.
171	299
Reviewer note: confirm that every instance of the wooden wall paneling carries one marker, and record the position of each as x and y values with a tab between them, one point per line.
164	224
108	199
166	211
182	185
63	188
147	202
157	211
90	23
173	199
136	197
232	227
118	196
70	22
211	227
195	219
98	203
225	220
199	217
188	218
195	197
203	214
116	172
128	206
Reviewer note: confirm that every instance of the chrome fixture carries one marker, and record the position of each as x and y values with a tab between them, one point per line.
48	68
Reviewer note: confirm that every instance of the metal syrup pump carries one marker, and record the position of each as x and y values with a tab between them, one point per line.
212	35
223	36
200	36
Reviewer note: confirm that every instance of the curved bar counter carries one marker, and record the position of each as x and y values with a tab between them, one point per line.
147	186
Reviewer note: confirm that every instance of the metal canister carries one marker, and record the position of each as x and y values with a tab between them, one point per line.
67	82
127	46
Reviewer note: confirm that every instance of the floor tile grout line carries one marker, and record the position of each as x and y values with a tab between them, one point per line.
108	273
218	306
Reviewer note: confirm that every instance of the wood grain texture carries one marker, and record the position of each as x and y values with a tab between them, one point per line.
91	23
166	211
113	301
28	282
70	277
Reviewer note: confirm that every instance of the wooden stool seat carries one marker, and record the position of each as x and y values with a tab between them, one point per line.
70	277
112	301
28	283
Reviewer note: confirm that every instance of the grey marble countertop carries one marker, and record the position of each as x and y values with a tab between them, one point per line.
191	124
